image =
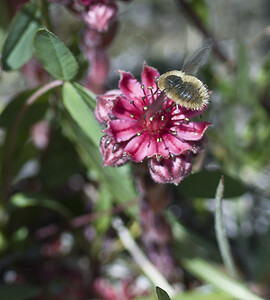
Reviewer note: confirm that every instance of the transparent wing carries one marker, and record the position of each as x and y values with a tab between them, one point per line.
198	59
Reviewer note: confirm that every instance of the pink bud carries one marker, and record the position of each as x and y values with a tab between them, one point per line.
100	16
171	170
112	154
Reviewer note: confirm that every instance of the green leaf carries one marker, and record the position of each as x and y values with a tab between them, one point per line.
4	20
210	274
88	96
18	47
186	251
204	184
104	204
222	238
204	296
55	57
162	295
119	181
21	200
80	113
18	292
34	113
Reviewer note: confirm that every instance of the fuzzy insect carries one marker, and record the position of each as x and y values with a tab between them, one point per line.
183	88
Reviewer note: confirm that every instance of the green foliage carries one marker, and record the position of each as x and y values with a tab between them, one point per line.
205	270
18	292
206	183
162	295
18	47
20	200
79	111
54	55
63	188
32	115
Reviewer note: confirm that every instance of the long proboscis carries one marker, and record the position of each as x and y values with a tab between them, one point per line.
155	106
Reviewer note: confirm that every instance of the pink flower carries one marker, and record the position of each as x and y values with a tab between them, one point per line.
100	16
166	138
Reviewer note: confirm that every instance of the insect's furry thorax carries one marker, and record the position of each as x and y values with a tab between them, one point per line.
185	90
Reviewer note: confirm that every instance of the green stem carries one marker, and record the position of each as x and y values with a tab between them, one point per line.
46	20
221	233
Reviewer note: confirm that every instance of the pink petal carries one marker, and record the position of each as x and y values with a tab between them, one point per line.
191	131
112	153
175	144
100	16
137	147
126	110
157	148
185	113
103	110
171	170
149	77
123	130
144	146
130	87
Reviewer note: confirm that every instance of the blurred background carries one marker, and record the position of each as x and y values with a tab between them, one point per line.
57	201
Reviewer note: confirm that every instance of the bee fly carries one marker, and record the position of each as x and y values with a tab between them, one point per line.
183	88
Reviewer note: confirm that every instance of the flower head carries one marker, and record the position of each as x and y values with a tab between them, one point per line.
100	16
165	137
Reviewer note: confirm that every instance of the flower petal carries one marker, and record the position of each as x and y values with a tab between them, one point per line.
171	170
157	147
100	16
149	77
123	130
180	113
112	153
130	87
124	109
137	147
191	131
145	145
103	110
175	144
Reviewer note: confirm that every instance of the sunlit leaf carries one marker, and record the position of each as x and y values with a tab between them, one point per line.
88	96
162	295
55	57
18	46
81	113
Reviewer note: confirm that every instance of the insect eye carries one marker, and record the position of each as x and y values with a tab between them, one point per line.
174	81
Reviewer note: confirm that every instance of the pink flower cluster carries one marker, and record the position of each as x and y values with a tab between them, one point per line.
167	139
100	17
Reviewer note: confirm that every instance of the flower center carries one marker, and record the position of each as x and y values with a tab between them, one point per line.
155	124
